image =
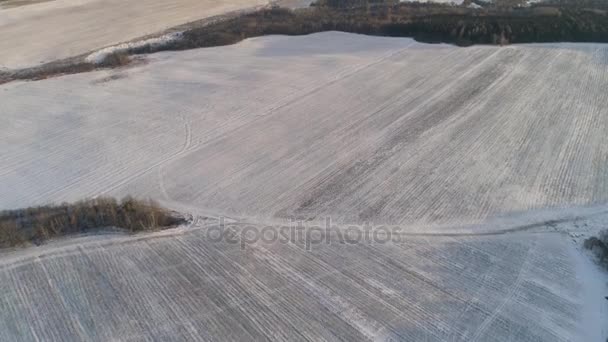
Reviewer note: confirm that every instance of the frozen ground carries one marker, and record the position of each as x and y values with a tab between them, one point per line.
46	31
360	128
465	148
177	285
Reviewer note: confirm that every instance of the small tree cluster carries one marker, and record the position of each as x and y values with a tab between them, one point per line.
37	224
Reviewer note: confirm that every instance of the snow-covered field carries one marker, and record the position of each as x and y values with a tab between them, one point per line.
468	145
177	285
46	31
360	128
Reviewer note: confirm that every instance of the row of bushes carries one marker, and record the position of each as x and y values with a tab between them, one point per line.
37	224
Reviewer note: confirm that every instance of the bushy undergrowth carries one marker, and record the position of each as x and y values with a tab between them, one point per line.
36	224
599	246
116	59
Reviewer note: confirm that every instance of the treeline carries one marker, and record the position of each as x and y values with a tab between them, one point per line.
567	26
495	23
426	22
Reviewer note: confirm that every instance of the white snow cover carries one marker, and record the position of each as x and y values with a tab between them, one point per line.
47	31
491	159
360	128
178	285
99	56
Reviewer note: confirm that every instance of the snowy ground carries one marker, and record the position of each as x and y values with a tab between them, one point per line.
360	128
177	285
46	31
470	146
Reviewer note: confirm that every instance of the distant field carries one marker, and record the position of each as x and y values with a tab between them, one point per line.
17	3
58	29
490	24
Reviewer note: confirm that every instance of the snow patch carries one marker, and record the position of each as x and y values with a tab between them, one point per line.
595	307
98	57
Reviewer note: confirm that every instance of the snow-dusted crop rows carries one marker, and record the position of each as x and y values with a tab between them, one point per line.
359	128
55	29
362	129
183	287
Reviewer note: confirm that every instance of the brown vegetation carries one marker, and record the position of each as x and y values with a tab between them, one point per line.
37	224
116	59
599	246
424	22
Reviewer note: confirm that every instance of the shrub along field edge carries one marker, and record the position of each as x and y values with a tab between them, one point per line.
36	224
